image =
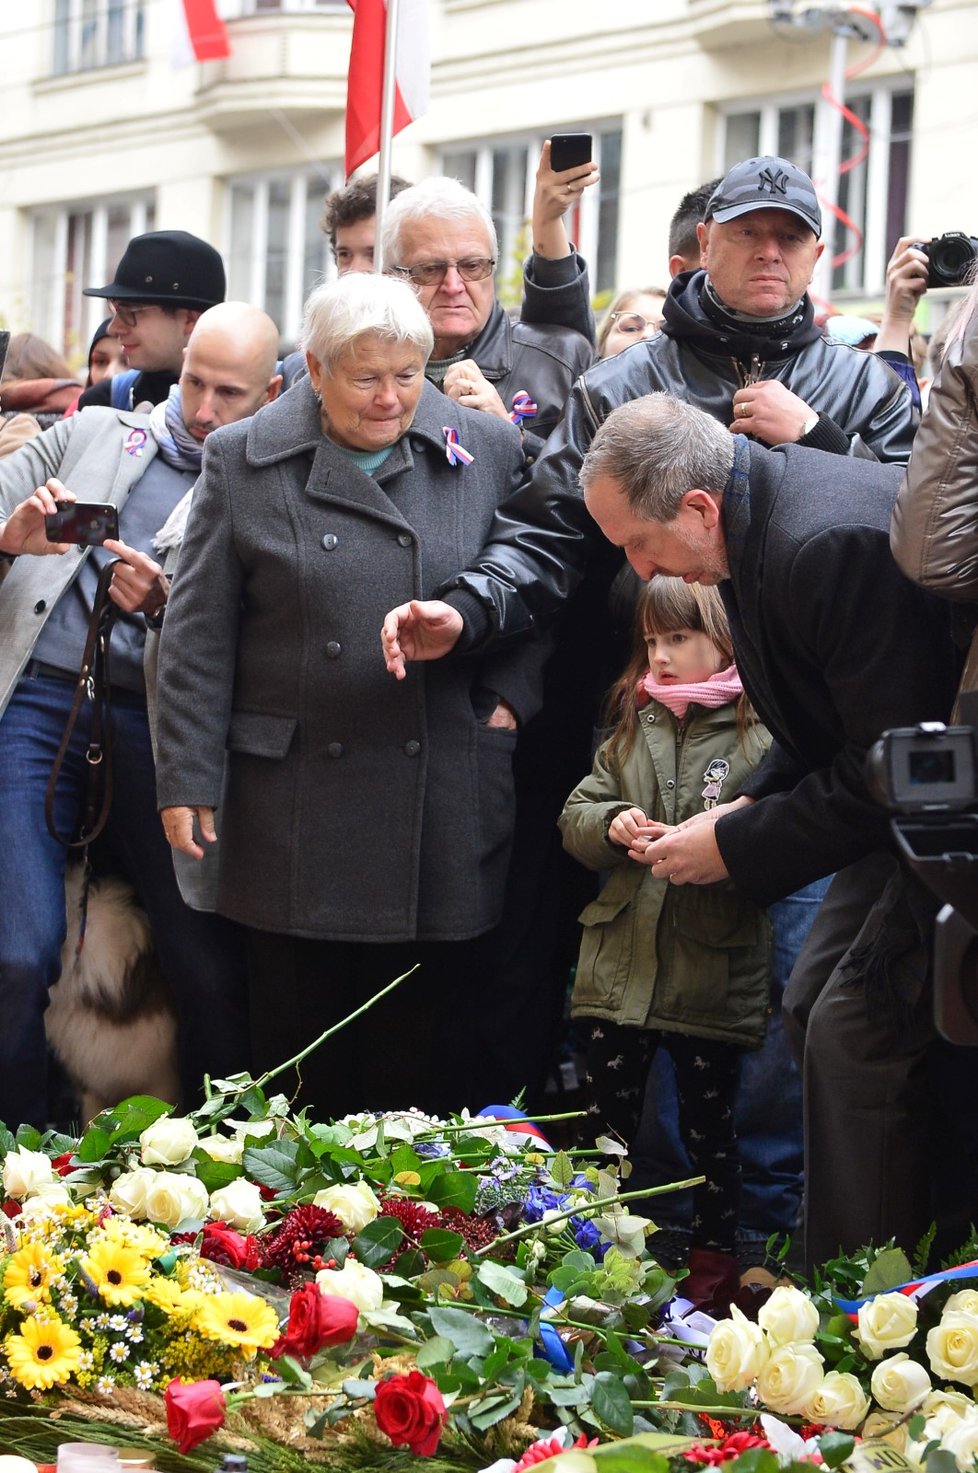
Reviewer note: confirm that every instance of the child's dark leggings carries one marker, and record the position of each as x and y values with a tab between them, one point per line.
706	1080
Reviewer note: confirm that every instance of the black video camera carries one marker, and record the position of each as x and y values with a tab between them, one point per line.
950	258
928	774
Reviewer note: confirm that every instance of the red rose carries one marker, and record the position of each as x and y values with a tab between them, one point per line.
194	1409
410	1410
315	1320
62	1164
222	1244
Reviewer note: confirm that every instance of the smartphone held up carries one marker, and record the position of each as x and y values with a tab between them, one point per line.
86	523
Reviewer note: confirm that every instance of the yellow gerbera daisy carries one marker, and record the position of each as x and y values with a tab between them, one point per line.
118	1272
238	1319
45	1353
146	1240
28	1274
169	1295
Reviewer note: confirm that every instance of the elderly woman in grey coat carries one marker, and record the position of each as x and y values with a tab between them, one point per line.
366	823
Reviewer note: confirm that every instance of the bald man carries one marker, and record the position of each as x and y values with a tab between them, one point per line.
144	465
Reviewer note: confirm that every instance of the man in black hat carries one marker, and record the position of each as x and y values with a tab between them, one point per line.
164	281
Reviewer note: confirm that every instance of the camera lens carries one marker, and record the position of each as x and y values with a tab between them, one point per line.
951	259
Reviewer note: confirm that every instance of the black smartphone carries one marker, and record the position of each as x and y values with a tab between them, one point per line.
569	151
87	523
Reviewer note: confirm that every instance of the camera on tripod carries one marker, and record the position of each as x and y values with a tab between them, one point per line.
928	775
950	258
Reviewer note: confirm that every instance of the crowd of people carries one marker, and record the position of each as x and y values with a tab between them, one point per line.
640	623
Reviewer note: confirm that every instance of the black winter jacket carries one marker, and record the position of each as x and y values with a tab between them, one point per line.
543	541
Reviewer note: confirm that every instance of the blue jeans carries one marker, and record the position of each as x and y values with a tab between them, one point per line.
767	1116
201	956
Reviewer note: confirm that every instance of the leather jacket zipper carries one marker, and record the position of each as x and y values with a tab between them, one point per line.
751	375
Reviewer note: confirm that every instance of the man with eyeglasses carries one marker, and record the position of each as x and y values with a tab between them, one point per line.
164	281
438	236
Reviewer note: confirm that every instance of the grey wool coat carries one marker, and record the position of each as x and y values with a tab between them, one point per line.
357	807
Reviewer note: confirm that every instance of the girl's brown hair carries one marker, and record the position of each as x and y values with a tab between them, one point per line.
668	604
30	357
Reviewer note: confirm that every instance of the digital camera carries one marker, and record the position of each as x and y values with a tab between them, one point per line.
950	258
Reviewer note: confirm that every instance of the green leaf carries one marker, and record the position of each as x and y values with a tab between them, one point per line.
939	1460
836	1447
93	1145
610	1401
411	1264
561	1169
887	1270
757	1460
403	1158
503	1282
214	1174
437	1351
375	1243
274	1165
130	1118
28	1136
441	1245
454	1189
488	1410
292	1373
468	1334
7	1141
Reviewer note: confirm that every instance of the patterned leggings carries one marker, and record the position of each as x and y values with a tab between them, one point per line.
706	1080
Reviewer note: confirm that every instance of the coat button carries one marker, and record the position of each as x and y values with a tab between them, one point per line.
330	541
670	784
333	650
404	539
335	749
650	719
411	749
40	606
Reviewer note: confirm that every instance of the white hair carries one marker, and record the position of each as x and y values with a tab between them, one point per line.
438	198
361	304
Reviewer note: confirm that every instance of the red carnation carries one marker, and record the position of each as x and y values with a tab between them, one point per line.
315	1321
410	1411
194	1409
539	1452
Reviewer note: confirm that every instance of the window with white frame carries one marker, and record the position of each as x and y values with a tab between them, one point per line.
97	33
281	7
503	174
276	251
873	194
77	245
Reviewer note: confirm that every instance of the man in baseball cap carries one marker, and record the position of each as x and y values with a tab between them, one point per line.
163	282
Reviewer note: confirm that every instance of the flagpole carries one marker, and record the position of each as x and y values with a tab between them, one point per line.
386	127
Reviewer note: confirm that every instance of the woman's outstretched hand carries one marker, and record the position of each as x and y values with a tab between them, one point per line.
420	630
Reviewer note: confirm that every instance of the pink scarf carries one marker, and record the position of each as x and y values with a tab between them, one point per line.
720	689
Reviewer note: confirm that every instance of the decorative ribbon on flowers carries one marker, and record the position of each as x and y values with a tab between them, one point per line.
916	1289
457	454
523	407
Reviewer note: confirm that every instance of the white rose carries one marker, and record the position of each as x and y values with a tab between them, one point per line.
167	1142
965	1301
887	1322
789	1317
353	1202
128	1191
789	1377
840	1401
239	1205
24	1171
962	1440
945	1407
952	1348
899	1383
360	1285
736	1352
49	1194
220	1148
880	1427
174	1198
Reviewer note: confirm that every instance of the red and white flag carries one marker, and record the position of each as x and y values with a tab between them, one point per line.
206	36
412	70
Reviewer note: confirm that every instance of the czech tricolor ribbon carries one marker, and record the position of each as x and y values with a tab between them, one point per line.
457	454
916	1289
523	407
135	442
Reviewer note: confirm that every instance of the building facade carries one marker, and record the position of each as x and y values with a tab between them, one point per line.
105	133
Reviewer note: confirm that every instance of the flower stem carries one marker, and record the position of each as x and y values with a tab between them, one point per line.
588	1209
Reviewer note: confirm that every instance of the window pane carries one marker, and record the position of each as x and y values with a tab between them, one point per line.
852	201
62	36
742	139
796	135
238	256
901	126
315	246
606	268
279	193
460	165
509	202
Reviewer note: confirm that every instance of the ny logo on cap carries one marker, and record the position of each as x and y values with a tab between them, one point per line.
776	180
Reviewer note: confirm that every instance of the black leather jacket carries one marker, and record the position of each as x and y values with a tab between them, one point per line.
542	539
541	358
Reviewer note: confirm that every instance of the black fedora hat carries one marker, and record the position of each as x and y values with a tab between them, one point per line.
168	268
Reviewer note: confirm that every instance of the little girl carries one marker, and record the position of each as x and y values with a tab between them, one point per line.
683	967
